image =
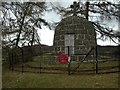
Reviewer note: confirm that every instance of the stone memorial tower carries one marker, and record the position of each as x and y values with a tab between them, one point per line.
76	32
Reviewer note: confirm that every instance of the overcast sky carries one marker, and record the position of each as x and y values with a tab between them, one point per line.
47	35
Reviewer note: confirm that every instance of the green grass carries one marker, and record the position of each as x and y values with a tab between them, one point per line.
109	63
48	63
47	80
36	80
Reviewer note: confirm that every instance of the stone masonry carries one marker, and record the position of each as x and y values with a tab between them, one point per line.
83	30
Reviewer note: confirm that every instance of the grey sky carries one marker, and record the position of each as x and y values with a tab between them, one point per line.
47	35
53	17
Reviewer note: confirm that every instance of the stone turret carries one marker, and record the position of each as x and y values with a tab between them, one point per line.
78	32
83	31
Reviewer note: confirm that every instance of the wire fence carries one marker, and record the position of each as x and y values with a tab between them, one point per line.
48	62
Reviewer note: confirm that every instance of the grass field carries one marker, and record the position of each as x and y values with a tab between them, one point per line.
36	80
17	79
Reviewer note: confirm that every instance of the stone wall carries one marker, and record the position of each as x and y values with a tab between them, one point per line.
84	35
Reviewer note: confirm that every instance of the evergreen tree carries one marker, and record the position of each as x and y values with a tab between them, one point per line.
106	11
19	22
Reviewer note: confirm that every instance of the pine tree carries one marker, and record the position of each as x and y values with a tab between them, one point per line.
106	10
19	22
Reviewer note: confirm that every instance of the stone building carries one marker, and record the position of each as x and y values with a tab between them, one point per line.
75	35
